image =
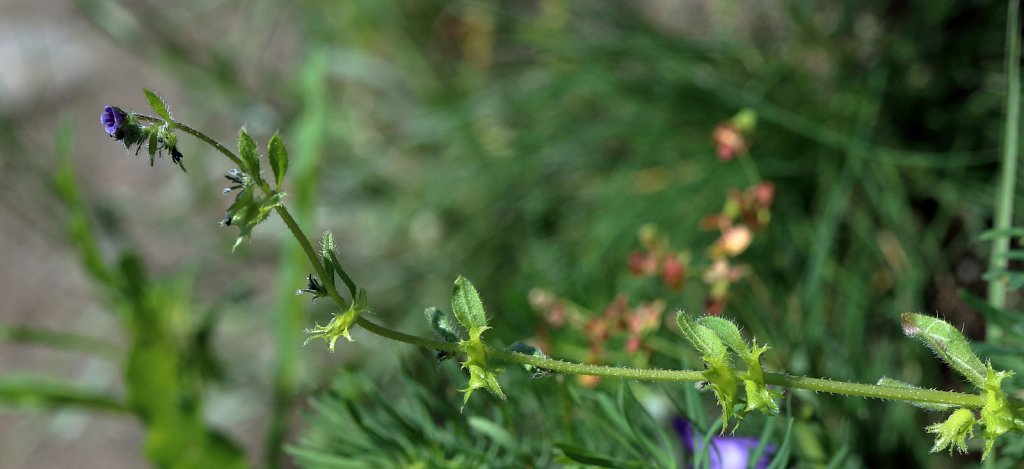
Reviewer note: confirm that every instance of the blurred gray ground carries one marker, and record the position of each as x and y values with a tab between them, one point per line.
55	65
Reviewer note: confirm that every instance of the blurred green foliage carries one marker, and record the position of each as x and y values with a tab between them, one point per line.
522	144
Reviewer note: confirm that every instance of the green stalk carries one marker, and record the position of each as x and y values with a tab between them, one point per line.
929	396
1008	172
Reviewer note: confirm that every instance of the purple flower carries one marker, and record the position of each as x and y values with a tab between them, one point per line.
724	452
112	119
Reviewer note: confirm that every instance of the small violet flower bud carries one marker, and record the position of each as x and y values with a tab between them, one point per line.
113	118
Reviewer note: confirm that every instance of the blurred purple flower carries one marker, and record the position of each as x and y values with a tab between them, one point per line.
724	452
112	119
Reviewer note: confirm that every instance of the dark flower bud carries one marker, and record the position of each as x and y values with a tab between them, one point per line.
237	178
314	287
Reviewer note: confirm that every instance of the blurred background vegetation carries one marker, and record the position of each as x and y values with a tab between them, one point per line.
521	144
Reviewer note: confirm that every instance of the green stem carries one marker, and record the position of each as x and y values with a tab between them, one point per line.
197	134
1008	172
930	396
797	382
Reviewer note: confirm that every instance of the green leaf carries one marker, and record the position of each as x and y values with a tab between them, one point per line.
278	155
250	155
727	331
442	325
948	343
326	257
1004	232
468	308
719	373
158	105
702	338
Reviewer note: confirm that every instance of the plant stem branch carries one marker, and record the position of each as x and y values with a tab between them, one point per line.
197	134
797	382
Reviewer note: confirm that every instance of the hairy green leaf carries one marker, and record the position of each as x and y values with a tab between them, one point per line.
727	331
442	325
327	256
702	338
468	308
250	155
278	155
948	343
158	105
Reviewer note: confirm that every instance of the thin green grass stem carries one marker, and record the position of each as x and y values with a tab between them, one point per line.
1008	172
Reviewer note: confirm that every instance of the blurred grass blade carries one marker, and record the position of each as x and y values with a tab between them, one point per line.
79	231
1008	171
58	340
782	457
40	392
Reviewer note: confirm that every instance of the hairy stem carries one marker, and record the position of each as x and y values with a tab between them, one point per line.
197	134
778	379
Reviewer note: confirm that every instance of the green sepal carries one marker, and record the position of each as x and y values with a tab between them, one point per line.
469	311
468	308
724	383
278	156
895	383
534	371
954	432
250	155
158	105
480	376
249	210
166	135
134	132
997	416
167	139
948	343
326	249
759	397
720	375
340	323
153	141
